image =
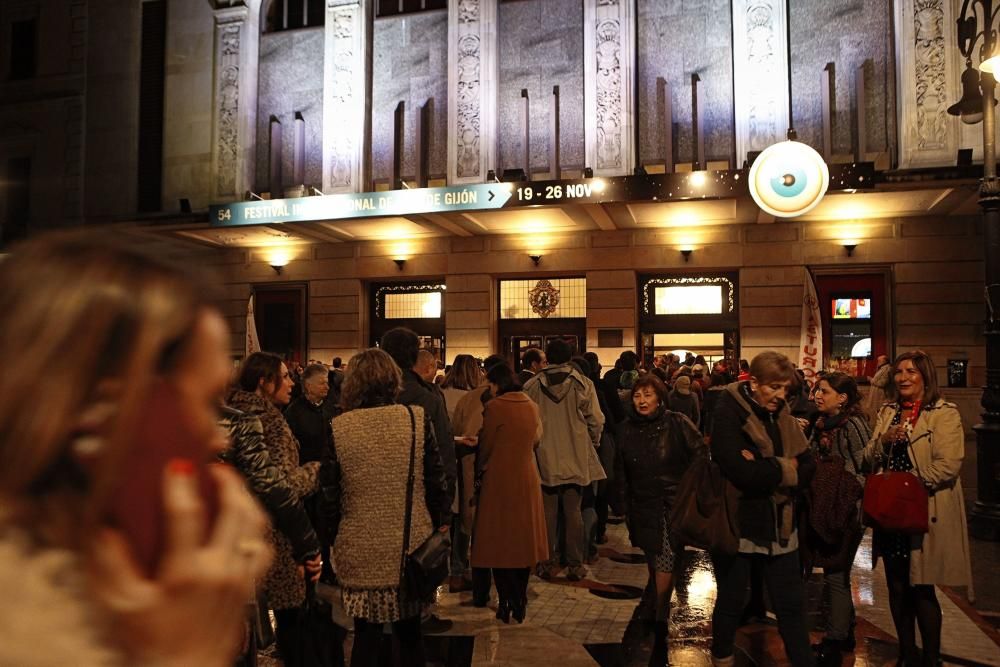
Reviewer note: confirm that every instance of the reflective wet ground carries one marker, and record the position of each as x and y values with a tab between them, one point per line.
591	622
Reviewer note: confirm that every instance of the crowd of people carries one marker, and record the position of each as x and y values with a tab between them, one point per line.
123	543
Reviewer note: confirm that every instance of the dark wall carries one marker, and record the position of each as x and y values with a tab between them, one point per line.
410	66
846	33
290	80
540	45
675	40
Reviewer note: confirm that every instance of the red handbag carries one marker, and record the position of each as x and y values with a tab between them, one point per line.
897	501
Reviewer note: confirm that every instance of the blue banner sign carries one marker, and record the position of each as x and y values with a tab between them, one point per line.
363	205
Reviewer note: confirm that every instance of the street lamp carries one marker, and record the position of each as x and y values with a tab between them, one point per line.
984	519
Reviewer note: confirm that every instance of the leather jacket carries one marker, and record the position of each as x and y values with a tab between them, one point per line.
250	457
653	453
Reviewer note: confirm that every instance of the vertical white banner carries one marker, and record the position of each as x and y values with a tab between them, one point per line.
811	336
252	344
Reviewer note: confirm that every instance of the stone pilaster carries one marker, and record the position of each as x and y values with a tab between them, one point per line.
473	77
346	96
234	105
609	85
760	74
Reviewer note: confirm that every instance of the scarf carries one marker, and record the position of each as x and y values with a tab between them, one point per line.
827	429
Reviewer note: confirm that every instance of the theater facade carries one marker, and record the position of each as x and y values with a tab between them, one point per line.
495	173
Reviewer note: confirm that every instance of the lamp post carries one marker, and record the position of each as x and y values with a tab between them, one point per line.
984	517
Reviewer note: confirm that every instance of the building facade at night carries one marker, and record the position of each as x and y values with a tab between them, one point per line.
135	118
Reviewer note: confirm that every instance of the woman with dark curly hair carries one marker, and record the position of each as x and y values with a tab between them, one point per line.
655	447
840	434
364	481
922	433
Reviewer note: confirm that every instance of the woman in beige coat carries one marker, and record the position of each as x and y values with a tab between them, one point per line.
922	433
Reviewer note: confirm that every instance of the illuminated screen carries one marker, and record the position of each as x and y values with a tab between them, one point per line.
852	309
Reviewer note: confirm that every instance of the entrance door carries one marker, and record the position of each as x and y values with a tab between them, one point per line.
517	336
416	306
711	345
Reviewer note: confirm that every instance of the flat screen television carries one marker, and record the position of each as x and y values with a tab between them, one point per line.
851	309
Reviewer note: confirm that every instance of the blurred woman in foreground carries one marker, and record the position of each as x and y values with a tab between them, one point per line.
98	344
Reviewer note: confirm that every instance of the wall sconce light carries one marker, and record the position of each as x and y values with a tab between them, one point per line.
278	260
400	262
849	246
535	259
687	254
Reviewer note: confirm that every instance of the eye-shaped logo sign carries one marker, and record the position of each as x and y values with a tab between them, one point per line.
788	179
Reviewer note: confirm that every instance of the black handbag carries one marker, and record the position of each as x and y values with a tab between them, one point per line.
421	572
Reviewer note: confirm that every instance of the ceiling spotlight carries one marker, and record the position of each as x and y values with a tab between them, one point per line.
536	259
400	262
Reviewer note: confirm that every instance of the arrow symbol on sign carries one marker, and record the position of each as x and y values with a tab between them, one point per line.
491	195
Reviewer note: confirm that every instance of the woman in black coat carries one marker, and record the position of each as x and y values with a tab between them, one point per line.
655	447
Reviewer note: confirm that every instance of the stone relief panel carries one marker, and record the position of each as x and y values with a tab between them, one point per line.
472	89
609	46
227	109
760	73
929	81
343	98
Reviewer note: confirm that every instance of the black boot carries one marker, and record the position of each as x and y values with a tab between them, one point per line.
659	657
519	610
503	611
828	653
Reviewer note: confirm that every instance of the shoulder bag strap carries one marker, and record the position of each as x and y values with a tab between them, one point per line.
409	494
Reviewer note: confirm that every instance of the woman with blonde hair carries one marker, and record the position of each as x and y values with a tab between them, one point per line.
364	479
921	433
130	350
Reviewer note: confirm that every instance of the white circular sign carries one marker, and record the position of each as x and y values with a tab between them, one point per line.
788	179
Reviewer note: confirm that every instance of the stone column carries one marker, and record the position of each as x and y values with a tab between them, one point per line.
473	77
347	96
609	86
234	104
760	74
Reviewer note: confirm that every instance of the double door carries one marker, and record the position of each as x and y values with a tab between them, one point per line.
518	336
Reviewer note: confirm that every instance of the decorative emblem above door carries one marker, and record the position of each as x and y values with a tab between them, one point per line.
544	298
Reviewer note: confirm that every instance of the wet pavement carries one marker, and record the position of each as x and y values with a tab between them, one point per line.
591	622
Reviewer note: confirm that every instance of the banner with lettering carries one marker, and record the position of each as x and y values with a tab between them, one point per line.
252	344
811	335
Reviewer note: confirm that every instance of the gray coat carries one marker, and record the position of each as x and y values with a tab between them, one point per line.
572	423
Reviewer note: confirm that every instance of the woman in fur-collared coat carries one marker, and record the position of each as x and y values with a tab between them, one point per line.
265	387
922	434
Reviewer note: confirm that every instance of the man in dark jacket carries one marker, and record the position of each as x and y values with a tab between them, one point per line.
627	361
403	346
309	418
532	361
762	451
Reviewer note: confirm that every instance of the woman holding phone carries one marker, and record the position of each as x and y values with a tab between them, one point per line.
132	352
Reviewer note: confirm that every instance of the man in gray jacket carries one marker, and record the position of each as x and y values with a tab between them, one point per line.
572	422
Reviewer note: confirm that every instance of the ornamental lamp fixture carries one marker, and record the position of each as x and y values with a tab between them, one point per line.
970	108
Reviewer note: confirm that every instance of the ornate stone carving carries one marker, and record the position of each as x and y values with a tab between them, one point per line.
227	111
467	94
609	44
931	75
342	95
609	95
468	11
760	71
472	82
